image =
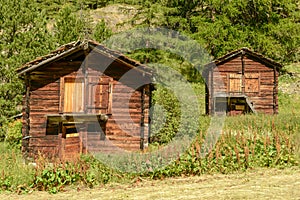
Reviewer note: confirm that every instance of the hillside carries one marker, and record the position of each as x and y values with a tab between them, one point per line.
114	15
289	90
290	82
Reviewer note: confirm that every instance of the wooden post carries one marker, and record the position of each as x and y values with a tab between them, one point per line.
211	82
142	118
62	140
206	78
86	141
151	88
61	94
85	85
26	118
275	92
61	146
80	142
243	72
110	97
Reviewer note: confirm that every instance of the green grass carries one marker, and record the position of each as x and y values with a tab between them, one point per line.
15	175
252	184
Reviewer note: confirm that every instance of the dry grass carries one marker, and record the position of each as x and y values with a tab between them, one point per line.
255	184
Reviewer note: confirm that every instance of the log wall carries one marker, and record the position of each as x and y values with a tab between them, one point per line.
45	94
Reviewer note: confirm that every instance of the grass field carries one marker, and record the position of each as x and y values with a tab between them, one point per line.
252	184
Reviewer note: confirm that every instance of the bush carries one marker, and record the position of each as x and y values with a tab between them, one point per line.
13	134
85	170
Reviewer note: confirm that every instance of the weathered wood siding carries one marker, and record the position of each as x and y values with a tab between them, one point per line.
260	83
45	97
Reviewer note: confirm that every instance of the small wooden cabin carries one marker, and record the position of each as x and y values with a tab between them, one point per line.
240	82
84	97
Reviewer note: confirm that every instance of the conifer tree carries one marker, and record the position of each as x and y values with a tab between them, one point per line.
24	36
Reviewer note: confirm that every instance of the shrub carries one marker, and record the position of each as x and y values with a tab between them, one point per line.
13	134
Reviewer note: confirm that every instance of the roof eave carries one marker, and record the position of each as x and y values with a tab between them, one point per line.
241	51
57	57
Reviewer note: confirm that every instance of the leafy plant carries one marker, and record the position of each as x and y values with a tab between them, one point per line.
13	133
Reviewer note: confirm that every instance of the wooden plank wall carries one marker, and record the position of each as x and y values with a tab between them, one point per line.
123	126
263	102
44	100
218	79
45	97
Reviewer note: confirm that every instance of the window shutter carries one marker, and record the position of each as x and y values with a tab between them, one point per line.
235	83
73	95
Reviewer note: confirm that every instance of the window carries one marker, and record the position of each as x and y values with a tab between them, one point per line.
73	95
252	83
235	83
100	95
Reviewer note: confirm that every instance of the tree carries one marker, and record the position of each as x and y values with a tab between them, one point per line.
70	26
101	31
24	36
270	27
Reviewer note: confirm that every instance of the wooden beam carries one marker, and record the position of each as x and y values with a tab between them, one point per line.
142	118
243	72
65	118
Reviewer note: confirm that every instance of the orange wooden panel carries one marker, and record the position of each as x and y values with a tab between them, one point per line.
73	95
235	83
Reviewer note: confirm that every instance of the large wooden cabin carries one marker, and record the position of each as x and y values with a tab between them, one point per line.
241	81
84	97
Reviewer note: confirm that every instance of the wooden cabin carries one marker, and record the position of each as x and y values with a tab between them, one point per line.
84	97
240	82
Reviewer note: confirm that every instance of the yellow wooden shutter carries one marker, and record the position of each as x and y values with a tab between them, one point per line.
73	95
235	83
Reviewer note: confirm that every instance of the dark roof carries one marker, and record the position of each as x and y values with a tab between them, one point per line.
73	47
243	51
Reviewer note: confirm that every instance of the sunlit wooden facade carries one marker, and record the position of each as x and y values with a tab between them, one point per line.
77	101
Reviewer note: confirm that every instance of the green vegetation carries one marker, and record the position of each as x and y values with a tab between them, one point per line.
15	175
33	28
247	142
